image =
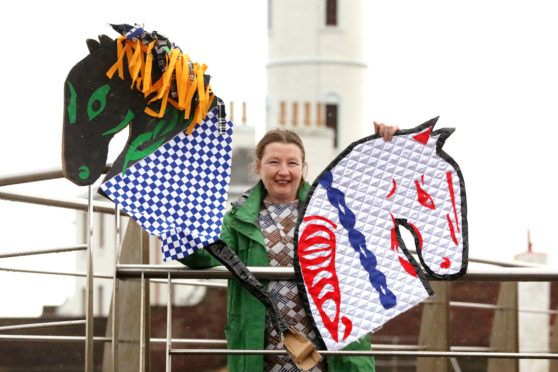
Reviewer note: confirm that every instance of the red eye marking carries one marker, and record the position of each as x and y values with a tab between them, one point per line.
446	264
424	198
393	189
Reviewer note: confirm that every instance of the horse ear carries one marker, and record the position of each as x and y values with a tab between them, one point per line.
106	42
92	45
423	136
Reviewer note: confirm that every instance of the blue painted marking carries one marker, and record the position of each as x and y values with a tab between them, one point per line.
358	242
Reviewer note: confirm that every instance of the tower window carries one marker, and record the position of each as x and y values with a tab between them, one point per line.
295	114
331	12
331	120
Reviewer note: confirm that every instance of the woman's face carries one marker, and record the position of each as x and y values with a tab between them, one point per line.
281	171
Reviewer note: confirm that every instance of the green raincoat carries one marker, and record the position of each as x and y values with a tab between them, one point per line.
246	315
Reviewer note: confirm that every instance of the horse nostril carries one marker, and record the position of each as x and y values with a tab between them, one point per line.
84	172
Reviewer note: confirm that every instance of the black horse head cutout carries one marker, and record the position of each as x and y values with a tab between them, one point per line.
97	107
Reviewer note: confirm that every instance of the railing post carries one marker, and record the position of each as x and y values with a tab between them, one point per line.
434	328
168	357
124	319
145	321
115	287
504	336
89	317
554	345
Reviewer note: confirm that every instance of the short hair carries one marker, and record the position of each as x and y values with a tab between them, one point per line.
281	136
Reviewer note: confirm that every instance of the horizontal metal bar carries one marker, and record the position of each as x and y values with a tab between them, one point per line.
78	204
470	348
11	269
51	338
287	273
42	325
196	341
413	354
375	347
72	248
199	283
39	175
500	263
496	307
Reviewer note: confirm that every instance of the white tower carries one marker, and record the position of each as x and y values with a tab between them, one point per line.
316	73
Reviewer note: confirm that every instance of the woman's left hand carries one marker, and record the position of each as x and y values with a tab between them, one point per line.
385	131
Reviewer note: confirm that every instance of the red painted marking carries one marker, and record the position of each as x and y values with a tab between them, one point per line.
422	179
408	267
312	266
348	326
423	136
424	198
418	235
392	190
394	241
450	186
310	218
452	231
446	264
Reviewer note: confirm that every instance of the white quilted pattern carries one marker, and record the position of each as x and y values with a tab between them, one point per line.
366	177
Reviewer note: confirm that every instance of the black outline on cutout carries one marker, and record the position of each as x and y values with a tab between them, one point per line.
443	134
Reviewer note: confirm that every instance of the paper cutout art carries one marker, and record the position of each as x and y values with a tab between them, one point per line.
140	81
173	175
352	265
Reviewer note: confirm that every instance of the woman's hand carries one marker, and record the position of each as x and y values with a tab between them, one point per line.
385	131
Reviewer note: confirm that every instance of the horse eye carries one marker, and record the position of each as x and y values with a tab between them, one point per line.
424	198
99	99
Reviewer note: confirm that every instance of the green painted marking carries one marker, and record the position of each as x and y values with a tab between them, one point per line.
135	154
72	104
99	95
84	172
129	116
160	125
174	119
161	130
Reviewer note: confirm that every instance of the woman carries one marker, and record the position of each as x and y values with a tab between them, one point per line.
260	229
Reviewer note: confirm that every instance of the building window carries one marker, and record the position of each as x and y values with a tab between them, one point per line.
331	120
331	13
282	112
295	114
307	114
100	300
320	115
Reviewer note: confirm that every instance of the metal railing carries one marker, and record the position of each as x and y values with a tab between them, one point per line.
171	275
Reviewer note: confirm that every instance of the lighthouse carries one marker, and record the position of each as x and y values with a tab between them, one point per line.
316	74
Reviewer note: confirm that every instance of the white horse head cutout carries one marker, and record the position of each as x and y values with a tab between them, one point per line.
352	263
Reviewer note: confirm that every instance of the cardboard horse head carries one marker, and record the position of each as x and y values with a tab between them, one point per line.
97	106
353	265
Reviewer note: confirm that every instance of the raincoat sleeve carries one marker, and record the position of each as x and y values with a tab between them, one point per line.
202	259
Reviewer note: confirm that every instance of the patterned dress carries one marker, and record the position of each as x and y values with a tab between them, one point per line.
277	223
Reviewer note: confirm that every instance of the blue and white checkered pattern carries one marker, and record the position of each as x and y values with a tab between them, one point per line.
179	192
